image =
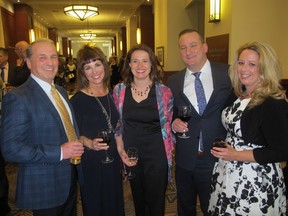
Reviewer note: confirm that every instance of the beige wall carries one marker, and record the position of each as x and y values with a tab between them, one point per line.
172	16
247	20
244	21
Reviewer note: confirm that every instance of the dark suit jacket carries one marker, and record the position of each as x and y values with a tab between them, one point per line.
31	135
209	123
21	74
11	75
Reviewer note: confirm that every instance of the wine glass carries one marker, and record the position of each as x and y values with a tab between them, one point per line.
184	113
220	143
104	134
132	154
76	160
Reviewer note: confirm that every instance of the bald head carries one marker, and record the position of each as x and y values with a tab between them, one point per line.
20	49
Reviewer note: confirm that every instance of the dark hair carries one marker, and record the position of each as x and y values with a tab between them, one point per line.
185	31
155	74
87	55
4	51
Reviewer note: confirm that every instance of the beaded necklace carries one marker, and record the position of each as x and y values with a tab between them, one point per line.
140	93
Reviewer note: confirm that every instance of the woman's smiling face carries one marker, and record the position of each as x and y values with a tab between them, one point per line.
140	64
94	71
248	69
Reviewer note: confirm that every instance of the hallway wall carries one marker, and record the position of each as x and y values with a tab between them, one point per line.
248	20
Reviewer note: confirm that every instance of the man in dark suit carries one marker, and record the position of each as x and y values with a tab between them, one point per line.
35	136
194	162
6	73
6	68
21	71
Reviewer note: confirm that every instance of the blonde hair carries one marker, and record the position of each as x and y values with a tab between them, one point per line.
269	70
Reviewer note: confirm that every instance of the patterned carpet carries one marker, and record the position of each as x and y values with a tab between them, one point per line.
171	199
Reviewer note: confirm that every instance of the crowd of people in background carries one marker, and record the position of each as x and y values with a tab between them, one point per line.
56	108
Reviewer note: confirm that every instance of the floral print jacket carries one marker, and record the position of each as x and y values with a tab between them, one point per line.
165	108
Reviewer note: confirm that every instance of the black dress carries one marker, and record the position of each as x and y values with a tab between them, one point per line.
142	130
100	184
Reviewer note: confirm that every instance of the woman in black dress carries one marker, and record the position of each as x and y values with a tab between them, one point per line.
100	183
146	108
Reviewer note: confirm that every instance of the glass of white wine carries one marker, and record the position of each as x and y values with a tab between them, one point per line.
133	160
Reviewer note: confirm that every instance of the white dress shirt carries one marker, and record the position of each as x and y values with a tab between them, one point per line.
207	82
6	69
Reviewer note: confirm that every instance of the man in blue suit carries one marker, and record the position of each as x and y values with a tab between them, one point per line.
194	162
33	135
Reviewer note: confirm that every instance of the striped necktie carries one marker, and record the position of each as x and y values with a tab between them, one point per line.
201	100
70	131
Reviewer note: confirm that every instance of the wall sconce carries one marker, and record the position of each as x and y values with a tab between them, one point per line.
57	47
121	45
215	11
138	30
31	35
138	36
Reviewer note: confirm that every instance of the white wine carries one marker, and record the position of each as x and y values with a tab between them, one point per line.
133	160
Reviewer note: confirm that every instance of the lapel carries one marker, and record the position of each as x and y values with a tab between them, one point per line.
39	95
179	82
218	82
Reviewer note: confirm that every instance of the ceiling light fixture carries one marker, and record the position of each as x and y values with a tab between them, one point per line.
81	12
88	36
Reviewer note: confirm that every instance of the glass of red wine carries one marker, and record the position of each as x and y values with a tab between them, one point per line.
220	143
184	113
105	135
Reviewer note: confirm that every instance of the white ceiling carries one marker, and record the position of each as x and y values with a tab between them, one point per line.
112	16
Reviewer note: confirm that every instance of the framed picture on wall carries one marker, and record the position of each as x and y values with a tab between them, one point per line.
160	55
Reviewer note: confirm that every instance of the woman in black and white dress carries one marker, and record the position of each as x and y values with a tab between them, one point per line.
248	178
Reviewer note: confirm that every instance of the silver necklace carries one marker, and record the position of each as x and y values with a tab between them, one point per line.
104	111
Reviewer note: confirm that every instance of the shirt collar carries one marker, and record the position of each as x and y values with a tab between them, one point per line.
205	69
44	85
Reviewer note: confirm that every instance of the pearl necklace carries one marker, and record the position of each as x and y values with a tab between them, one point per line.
140	93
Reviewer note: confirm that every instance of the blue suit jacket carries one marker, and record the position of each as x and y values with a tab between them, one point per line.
31	135
209	123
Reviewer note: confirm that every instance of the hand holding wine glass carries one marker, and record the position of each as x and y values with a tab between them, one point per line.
132	154
184	113
219	143
104	134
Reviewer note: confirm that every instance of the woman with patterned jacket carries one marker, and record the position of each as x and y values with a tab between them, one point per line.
146	108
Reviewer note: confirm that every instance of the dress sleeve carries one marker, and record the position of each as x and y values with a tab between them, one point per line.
274	128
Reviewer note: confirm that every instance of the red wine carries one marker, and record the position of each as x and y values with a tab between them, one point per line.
220	143
185	118
106	140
